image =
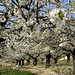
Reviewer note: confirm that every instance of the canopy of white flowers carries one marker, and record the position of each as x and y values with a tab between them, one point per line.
33	27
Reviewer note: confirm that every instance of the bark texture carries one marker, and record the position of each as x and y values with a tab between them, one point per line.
34	61
28	62
56	60
19	62
48	61
74	61
42	60
68	57
16	62
22	62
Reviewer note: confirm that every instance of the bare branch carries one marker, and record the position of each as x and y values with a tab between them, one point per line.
22	13
67	50
37	14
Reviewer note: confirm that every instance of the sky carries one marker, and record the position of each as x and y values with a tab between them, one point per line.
2	8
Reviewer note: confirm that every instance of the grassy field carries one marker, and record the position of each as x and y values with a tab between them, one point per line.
16	72
61	68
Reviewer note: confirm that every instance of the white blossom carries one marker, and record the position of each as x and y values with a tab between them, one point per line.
63	44
3	19
57	16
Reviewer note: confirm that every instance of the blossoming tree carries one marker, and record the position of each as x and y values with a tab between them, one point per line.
27	22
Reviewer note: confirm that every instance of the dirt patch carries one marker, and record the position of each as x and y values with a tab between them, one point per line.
39	71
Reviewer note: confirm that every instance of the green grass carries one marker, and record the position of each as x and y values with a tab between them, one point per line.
41	65
16	72
62	63
0	65
61	66
5	67
57	70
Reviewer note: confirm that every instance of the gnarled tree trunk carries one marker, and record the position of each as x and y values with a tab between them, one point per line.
35	61
42	60
19	62
48	60
22	62
68	57
16	62
28	62
56	60
74	61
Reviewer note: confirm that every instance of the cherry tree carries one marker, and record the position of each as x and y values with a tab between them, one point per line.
57	53
69	41
27	23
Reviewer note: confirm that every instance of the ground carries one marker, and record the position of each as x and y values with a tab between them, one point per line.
61	68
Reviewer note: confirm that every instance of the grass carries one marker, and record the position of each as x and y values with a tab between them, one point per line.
41	65
61	67
5	67
60	63
16	72
0	65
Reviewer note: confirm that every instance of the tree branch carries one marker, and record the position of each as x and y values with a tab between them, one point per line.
67	50
37	14
20	10
29	55
72	44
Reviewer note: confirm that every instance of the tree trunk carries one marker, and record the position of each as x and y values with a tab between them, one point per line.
68	57
56	60
28	62
48	60
35	61
16	62
19	62
22	62
74	61
42	60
